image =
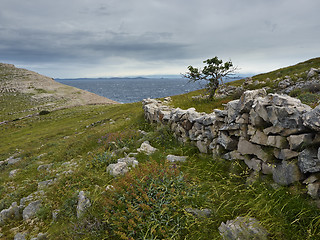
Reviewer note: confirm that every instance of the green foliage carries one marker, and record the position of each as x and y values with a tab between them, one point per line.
214	72
148	203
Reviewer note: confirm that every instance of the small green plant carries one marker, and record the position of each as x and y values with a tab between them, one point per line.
148	203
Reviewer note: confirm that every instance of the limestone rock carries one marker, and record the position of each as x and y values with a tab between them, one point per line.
44	167
246	147
199	213
267	168
277	141
287	173
116	169
20	236
254	164
146	148
308	161
259	138
311	119
11	213
285	154
13	173
296	142
31	210
314	190
12	160
226	141
232	110
173	158
83	204
130	161
248	97
202	146
41	236
244	229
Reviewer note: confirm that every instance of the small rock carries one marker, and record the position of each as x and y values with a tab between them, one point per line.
116	169
20	236
146	148
109	188
130	161
313	190
199	213
44	184
173	158
13	173
12	160
45	167
31	210
244	229
83	204
41	236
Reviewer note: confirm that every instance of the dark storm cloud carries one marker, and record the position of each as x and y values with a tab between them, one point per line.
170	35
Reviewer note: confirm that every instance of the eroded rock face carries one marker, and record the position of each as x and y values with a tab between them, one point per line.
244	229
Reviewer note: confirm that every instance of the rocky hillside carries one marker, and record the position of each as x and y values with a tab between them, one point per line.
23	92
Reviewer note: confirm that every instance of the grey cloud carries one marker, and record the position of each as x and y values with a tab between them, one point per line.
166	32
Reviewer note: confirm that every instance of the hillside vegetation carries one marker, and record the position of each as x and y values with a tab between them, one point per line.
51	159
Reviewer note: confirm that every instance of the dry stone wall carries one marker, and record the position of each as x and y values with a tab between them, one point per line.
272	133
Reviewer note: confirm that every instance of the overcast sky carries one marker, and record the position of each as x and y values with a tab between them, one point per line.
96	38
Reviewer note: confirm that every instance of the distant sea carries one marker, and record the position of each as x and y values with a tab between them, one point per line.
128	90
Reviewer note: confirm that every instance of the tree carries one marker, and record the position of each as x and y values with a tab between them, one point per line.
213	73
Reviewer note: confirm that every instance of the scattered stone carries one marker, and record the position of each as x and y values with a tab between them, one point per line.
146	148
83	204
41	236
45	167
130	161
109	188
117	169
287	173
20	236
173	158
55	214
308	160
11	213
31	210
203	213
12	160
13	173
243	228
44	184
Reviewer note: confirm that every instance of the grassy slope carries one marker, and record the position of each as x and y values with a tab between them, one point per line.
86	135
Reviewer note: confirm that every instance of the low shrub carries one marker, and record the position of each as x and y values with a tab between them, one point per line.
148	203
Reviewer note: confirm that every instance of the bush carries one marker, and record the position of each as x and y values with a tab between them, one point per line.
148	203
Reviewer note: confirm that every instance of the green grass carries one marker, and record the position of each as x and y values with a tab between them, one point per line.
81	142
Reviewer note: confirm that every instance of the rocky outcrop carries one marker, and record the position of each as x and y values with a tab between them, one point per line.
272	133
